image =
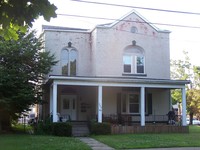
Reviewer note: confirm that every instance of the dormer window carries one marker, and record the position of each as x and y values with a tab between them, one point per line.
69	61
133	60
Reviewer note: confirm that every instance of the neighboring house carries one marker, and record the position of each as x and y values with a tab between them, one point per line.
121	69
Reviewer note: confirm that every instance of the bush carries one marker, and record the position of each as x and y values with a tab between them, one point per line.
61	129
43	128
100	128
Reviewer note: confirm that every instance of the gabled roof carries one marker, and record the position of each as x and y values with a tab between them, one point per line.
107	25
123	18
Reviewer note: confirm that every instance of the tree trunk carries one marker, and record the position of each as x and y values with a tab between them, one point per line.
191	118
5	123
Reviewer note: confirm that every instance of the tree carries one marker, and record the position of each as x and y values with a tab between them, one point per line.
180	70
22	67
193	102
19	14
183	70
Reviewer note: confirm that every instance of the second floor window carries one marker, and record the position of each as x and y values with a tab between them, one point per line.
133	64
140	64
69	62
134	59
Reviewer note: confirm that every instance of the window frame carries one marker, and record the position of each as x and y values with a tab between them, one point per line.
126	101
69	51
148	103
134	63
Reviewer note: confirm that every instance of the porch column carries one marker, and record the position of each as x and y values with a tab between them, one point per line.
51	101
55	102
142	106
184	123
100	104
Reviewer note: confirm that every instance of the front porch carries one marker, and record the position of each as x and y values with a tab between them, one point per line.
124	101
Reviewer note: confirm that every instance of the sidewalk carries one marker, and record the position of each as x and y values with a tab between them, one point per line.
96	145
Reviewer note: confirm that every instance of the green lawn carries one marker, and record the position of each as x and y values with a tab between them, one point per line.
131	141
125	141
36	142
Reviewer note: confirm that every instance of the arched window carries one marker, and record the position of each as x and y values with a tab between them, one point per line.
69	61
72	61
133	60
65	61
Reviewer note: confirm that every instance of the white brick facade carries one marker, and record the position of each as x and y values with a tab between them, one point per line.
100	51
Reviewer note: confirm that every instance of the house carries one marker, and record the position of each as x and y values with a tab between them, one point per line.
116	70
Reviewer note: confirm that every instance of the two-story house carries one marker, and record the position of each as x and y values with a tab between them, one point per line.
117	69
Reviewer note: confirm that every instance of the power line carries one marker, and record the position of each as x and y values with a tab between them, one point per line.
146	8
102	18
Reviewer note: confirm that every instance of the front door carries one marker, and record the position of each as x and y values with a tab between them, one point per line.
68	106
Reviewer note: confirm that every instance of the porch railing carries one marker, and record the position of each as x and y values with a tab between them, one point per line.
129	119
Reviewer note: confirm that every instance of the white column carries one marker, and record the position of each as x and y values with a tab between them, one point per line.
51	101
142	106
55	119
100	104
184	123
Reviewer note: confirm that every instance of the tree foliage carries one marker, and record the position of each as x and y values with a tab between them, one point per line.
183	70
22	69
180	70
19	14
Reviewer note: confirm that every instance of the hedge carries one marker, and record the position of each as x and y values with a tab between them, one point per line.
100	128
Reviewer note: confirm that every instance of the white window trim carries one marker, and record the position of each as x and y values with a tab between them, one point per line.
134	63
128	104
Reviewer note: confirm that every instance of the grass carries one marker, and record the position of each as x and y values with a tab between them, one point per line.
21	141
131	141
124	141
33	142
36	142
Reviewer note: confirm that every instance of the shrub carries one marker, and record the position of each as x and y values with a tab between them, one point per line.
61	129
43	128
100	128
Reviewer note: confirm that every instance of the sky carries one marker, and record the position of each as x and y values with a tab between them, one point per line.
181	38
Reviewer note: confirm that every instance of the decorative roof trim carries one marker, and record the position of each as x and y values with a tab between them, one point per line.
125	16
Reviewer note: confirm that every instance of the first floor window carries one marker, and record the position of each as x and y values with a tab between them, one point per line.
134	103
130	103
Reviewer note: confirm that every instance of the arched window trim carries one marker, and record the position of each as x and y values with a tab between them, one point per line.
69	71
133	54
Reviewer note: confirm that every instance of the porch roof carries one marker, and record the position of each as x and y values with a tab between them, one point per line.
117	81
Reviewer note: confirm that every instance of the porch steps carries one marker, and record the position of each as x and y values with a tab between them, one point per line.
80	129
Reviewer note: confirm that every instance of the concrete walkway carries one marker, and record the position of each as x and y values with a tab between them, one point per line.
96	145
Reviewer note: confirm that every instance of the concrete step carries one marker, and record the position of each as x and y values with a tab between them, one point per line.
80	130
